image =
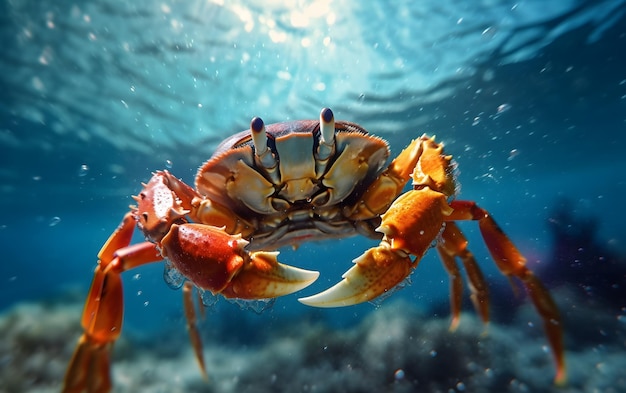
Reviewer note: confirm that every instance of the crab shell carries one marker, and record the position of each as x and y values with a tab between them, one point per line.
294	182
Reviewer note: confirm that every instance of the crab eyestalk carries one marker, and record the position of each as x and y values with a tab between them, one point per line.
259	136
262	154
327	132
326	146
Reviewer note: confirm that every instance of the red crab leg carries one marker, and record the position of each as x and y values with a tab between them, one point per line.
89	369
512	263
454	244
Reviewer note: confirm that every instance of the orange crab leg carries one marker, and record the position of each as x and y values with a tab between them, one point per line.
89	369
454	244
192	327
456	286
512	263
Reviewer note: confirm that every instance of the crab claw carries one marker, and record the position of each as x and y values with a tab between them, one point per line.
377	271
264	277
218	262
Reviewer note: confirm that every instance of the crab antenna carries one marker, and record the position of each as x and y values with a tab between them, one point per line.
327	130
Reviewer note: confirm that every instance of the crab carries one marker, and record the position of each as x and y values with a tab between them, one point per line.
284	184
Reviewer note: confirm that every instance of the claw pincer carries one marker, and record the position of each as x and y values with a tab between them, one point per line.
216	261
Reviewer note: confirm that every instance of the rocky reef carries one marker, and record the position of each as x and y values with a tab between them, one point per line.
394	349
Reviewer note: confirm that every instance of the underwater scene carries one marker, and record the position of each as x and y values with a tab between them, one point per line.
98	98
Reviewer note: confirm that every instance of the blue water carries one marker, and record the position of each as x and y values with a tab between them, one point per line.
529	98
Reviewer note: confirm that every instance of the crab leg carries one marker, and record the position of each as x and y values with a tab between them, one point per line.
192	327
512	263
89	369
454	244
456	287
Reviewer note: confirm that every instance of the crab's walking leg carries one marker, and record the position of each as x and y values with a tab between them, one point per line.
456	286
454	244
511	263
192	327
89	369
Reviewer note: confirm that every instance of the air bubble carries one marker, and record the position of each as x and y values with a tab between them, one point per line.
257	305
173	278
169	164
399	374
489	32
433	353
54	221
208	299
512	154
83	170
503	108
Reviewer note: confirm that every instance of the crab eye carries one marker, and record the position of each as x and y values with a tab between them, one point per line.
256	124
327	115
